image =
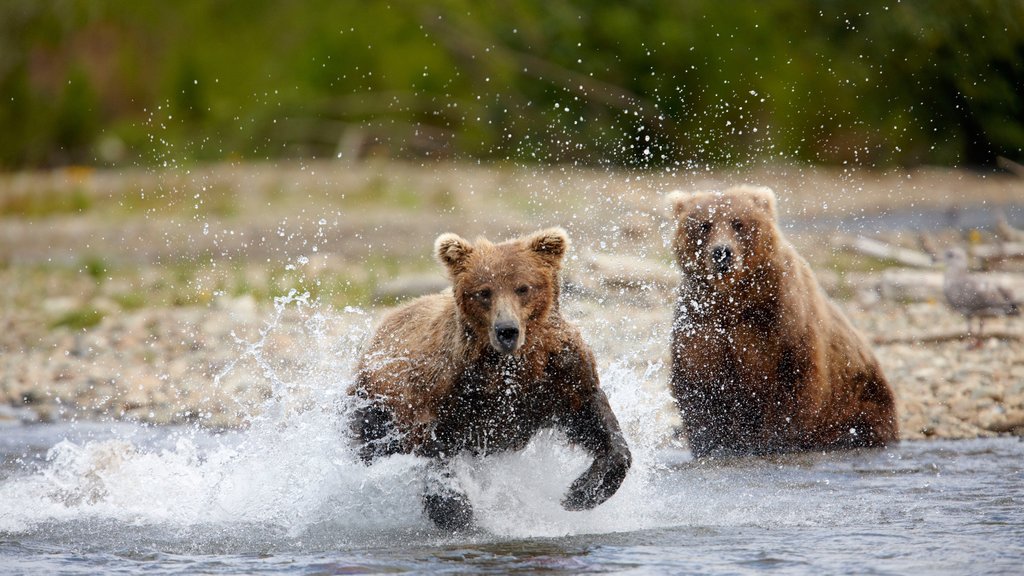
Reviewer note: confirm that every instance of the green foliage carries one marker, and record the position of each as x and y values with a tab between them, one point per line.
96	268
75	121
41	204
129	301
642	83
79	319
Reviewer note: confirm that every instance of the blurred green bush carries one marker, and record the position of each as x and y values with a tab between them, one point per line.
643	83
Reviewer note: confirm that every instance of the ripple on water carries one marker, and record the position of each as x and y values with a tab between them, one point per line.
288	494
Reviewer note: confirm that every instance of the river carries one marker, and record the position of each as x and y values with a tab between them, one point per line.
290	498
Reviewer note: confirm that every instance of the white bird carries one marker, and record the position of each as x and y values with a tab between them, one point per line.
974	295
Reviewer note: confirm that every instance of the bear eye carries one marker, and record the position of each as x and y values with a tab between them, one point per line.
522	290
705	227
482	295
737	225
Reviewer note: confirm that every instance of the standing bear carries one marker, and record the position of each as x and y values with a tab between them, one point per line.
481	368
762	361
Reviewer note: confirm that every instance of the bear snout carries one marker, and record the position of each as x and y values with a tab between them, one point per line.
505	337
722	258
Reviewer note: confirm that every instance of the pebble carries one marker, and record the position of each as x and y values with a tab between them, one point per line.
170	365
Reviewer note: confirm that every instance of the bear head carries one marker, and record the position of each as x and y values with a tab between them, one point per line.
504	291
723	237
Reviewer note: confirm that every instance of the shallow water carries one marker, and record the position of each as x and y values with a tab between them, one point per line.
288	494
87	498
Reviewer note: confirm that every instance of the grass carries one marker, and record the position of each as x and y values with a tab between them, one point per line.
95	268
200	193
171	198
73	296
842	262
45	203
79	319
130	301
394	193
173	193
270	198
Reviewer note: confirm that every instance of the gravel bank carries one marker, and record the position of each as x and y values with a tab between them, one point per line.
151	305
218	365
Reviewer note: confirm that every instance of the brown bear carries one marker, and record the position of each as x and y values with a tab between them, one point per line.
762	361
481	368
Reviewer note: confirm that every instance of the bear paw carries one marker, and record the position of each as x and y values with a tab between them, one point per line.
449	509
445	503
597	484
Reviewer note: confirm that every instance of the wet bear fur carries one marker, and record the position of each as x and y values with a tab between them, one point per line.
481	368
762	361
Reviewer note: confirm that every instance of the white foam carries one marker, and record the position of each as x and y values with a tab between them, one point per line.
294	469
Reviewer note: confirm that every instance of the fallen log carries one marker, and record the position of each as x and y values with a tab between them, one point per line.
883	251
916	285
1010	166
986	254
1005	231
910	285
945	336
990	253
930	245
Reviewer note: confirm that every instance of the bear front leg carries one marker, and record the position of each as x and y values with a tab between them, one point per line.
373	426
444	502
595	427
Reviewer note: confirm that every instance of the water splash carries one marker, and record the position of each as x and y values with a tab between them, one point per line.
292	475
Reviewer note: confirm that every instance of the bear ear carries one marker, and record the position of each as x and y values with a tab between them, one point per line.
549	244
452	251
764	198
681	202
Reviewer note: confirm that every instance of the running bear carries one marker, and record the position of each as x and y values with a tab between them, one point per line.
762	361
481	368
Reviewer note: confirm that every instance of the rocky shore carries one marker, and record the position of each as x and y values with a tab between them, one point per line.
218	365
99	322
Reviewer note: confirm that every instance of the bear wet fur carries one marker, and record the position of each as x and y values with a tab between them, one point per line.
481	368
762	361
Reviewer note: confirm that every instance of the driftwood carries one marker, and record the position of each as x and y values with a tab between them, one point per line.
1010	166
986	254
883	251
930	245
909	285
916	285
945	336
1006	232
991	253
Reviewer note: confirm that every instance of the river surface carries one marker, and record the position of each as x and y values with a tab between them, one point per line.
288	494
290	498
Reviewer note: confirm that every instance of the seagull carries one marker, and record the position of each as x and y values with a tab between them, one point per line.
973	295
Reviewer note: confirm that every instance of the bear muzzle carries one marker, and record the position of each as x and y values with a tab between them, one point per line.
505	336
722	258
